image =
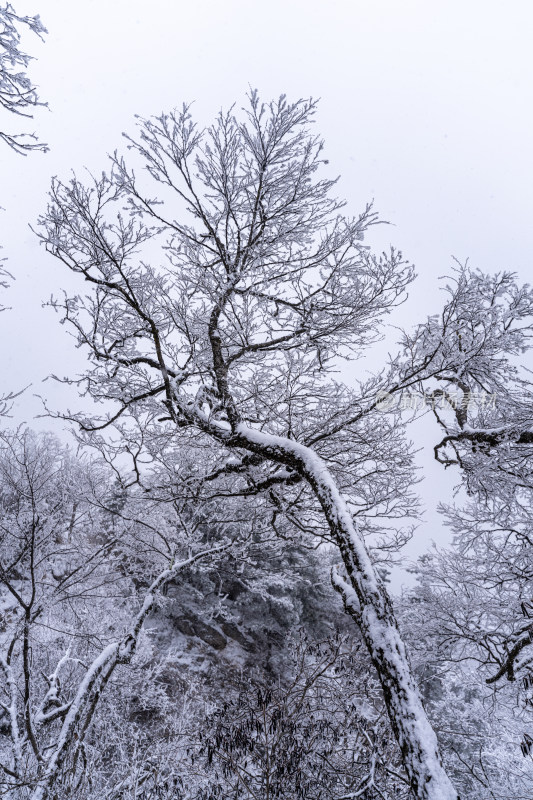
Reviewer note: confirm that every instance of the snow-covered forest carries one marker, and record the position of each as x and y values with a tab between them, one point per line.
195	559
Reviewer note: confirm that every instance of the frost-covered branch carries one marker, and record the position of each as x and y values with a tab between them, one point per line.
82	707
17	93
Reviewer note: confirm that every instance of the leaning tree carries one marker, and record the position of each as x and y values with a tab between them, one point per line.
217	312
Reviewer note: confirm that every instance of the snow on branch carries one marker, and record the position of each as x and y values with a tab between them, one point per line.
17	93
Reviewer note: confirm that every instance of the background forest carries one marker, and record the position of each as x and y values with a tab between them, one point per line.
195	596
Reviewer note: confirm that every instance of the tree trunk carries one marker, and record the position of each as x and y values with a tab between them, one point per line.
375	615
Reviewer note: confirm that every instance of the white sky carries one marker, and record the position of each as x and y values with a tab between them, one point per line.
425	107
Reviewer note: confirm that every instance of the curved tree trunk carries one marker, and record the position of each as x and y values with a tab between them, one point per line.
368	601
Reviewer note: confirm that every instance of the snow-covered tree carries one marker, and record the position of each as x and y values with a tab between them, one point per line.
455	627
480	390
227	335
474	380
475	597
17	93
75	595
17	96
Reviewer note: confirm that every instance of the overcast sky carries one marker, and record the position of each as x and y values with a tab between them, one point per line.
426	108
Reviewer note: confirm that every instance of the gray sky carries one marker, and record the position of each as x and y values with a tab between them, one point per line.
425	108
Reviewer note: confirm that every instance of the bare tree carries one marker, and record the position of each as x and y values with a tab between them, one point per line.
229	334
5	399
17	96
17	93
